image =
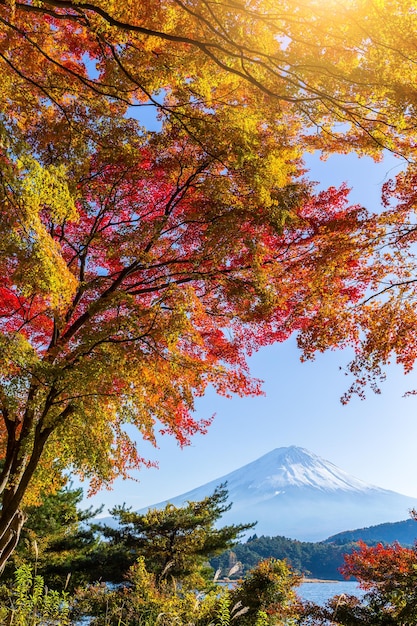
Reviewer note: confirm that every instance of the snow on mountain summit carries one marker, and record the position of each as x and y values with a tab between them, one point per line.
295	493
296	467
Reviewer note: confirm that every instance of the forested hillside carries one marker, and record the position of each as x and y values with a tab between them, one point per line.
316	560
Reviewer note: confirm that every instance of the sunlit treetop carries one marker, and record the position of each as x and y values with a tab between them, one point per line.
345	69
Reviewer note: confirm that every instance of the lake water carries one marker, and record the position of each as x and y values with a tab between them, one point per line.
319	593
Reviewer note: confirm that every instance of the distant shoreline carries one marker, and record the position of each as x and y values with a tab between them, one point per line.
228	581
319	580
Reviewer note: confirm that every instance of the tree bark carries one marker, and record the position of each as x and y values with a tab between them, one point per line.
10	537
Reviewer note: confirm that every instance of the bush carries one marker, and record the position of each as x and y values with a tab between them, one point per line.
264	598
30	603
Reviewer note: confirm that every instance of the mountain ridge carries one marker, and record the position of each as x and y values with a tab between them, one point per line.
403	532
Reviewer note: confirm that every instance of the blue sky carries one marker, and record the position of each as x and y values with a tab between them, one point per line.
375	439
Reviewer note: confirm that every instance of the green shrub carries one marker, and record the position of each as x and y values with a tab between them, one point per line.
30	603
265	598
144	602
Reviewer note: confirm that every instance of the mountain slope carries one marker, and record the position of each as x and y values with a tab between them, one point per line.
294	493
405	533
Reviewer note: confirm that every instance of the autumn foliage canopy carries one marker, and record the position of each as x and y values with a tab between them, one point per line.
157	224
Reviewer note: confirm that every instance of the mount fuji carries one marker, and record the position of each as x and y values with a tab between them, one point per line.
294	493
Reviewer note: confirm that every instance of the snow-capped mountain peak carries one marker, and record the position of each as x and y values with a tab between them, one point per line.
296	467
295	493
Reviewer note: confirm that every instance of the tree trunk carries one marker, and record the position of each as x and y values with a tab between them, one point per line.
10	536
12	518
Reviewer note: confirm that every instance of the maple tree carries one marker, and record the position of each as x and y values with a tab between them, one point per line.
123	306
387	574
379	565
138	267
